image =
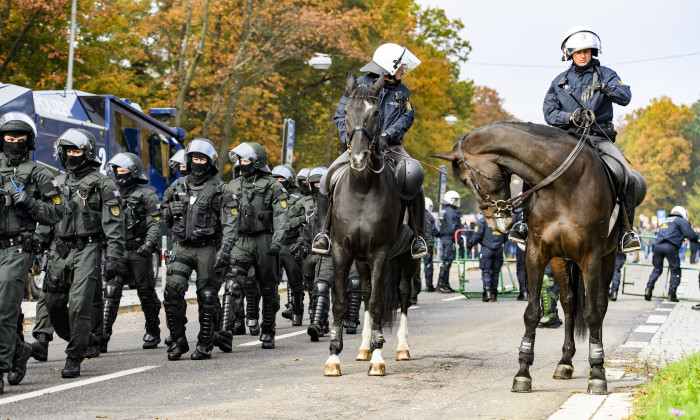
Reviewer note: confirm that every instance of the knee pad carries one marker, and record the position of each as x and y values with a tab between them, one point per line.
208	296
321	288
170	295
355	284
269	290
233	288
112	291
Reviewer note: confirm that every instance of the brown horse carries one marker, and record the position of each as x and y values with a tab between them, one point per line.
569	224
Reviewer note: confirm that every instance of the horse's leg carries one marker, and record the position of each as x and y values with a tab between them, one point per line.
408	269
597	275
535	270
562	273
341	264
380	274
364	352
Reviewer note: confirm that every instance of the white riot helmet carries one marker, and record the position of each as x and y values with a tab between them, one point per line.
388	58
450	196
680	211
579	38
428	204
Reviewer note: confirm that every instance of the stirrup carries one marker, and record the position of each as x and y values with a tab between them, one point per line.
321	250
422	253
633	244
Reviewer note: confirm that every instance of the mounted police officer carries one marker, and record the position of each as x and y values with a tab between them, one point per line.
491	258
199	210
449	221
93	219
30	194
142	222
596	87
390	61
290	244
672	231
431	233
261	220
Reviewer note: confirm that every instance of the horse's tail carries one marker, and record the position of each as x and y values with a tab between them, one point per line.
578	289
391	294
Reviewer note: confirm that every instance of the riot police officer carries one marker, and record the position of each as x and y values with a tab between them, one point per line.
301	179
142	222
431	232
199	211
290	244
672	231
178	162
261	220
92	219
30	194
449	221
491	258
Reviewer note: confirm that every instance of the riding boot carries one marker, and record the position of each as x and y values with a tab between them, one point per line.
298	306
647	292
486	295
321	305
322	242
419	248
112	298
40	347
205	340
444	279
150	304
267	328
175	318
518	233
613	295
630	240
352	319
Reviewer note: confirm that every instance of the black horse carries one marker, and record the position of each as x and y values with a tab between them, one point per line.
572	222
366	214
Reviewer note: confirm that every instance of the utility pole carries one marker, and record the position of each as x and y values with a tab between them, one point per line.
73	11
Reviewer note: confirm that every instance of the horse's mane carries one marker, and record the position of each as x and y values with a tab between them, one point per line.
362	92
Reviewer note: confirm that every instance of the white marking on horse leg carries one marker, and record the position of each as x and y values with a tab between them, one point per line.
377	357
403	333
376	365
332	367
366	332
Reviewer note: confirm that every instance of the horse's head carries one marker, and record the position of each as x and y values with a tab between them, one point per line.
488	181
362	120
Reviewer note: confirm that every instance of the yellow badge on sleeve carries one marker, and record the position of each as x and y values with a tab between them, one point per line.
56	199
234	211
409	106
283	203
114	210
476	228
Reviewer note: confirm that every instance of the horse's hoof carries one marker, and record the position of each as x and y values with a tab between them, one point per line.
521	384
376	369
332	369
563	372
598	386
364	355
403	355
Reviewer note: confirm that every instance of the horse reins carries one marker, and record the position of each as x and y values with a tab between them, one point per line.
514	202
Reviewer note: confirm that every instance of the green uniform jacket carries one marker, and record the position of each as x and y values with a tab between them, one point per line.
297	218
40	184
141	215
310	230
93	207
262	206
223	202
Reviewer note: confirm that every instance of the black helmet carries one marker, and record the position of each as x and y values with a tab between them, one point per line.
316	174
18	122
131	162
80	139
253	152
287	172
206	148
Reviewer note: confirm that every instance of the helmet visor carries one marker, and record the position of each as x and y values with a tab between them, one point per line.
73	137
242	151
177	159
18	116
284	172
202	146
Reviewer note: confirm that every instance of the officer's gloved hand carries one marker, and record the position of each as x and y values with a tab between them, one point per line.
298	251
588	93
146	249
223	256
177	208
113	268
383	142
274	249
22	199
582	118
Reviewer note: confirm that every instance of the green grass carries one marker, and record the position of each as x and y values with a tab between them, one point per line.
676	386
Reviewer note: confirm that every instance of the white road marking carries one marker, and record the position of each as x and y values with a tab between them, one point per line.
277	337
647	329
49	391
635	344
454	298
663	309
656	319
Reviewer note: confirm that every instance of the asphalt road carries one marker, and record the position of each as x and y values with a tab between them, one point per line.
464	356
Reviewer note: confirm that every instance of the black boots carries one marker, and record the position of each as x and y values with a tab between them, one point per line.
672	297
298	308
150	304
19	363
94	347
175	318
112	298
72	368
486	295
40	347
613	295
269	312
443	285
647	293
321	306
352	319
518	233
205	340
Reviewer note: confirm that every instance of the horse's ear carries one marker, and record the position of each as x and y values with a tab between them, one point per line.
378	85
450	155
351	82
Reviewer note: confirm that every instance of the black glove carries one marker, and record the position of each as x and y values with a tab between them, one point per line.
298	251
177	208
223	256
146	249
588	93
113	268
22	199
383	142
274	249
582	118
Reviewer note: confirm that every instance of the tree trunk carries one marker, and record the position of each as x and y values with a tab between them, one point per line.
5	15
16	44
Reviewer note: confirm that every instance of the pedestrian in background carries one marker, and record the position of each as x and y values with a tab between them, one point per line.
491	258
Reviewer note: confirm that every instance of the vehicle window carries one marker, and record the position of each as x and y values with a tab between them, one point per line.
123	127
95	108
144	139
